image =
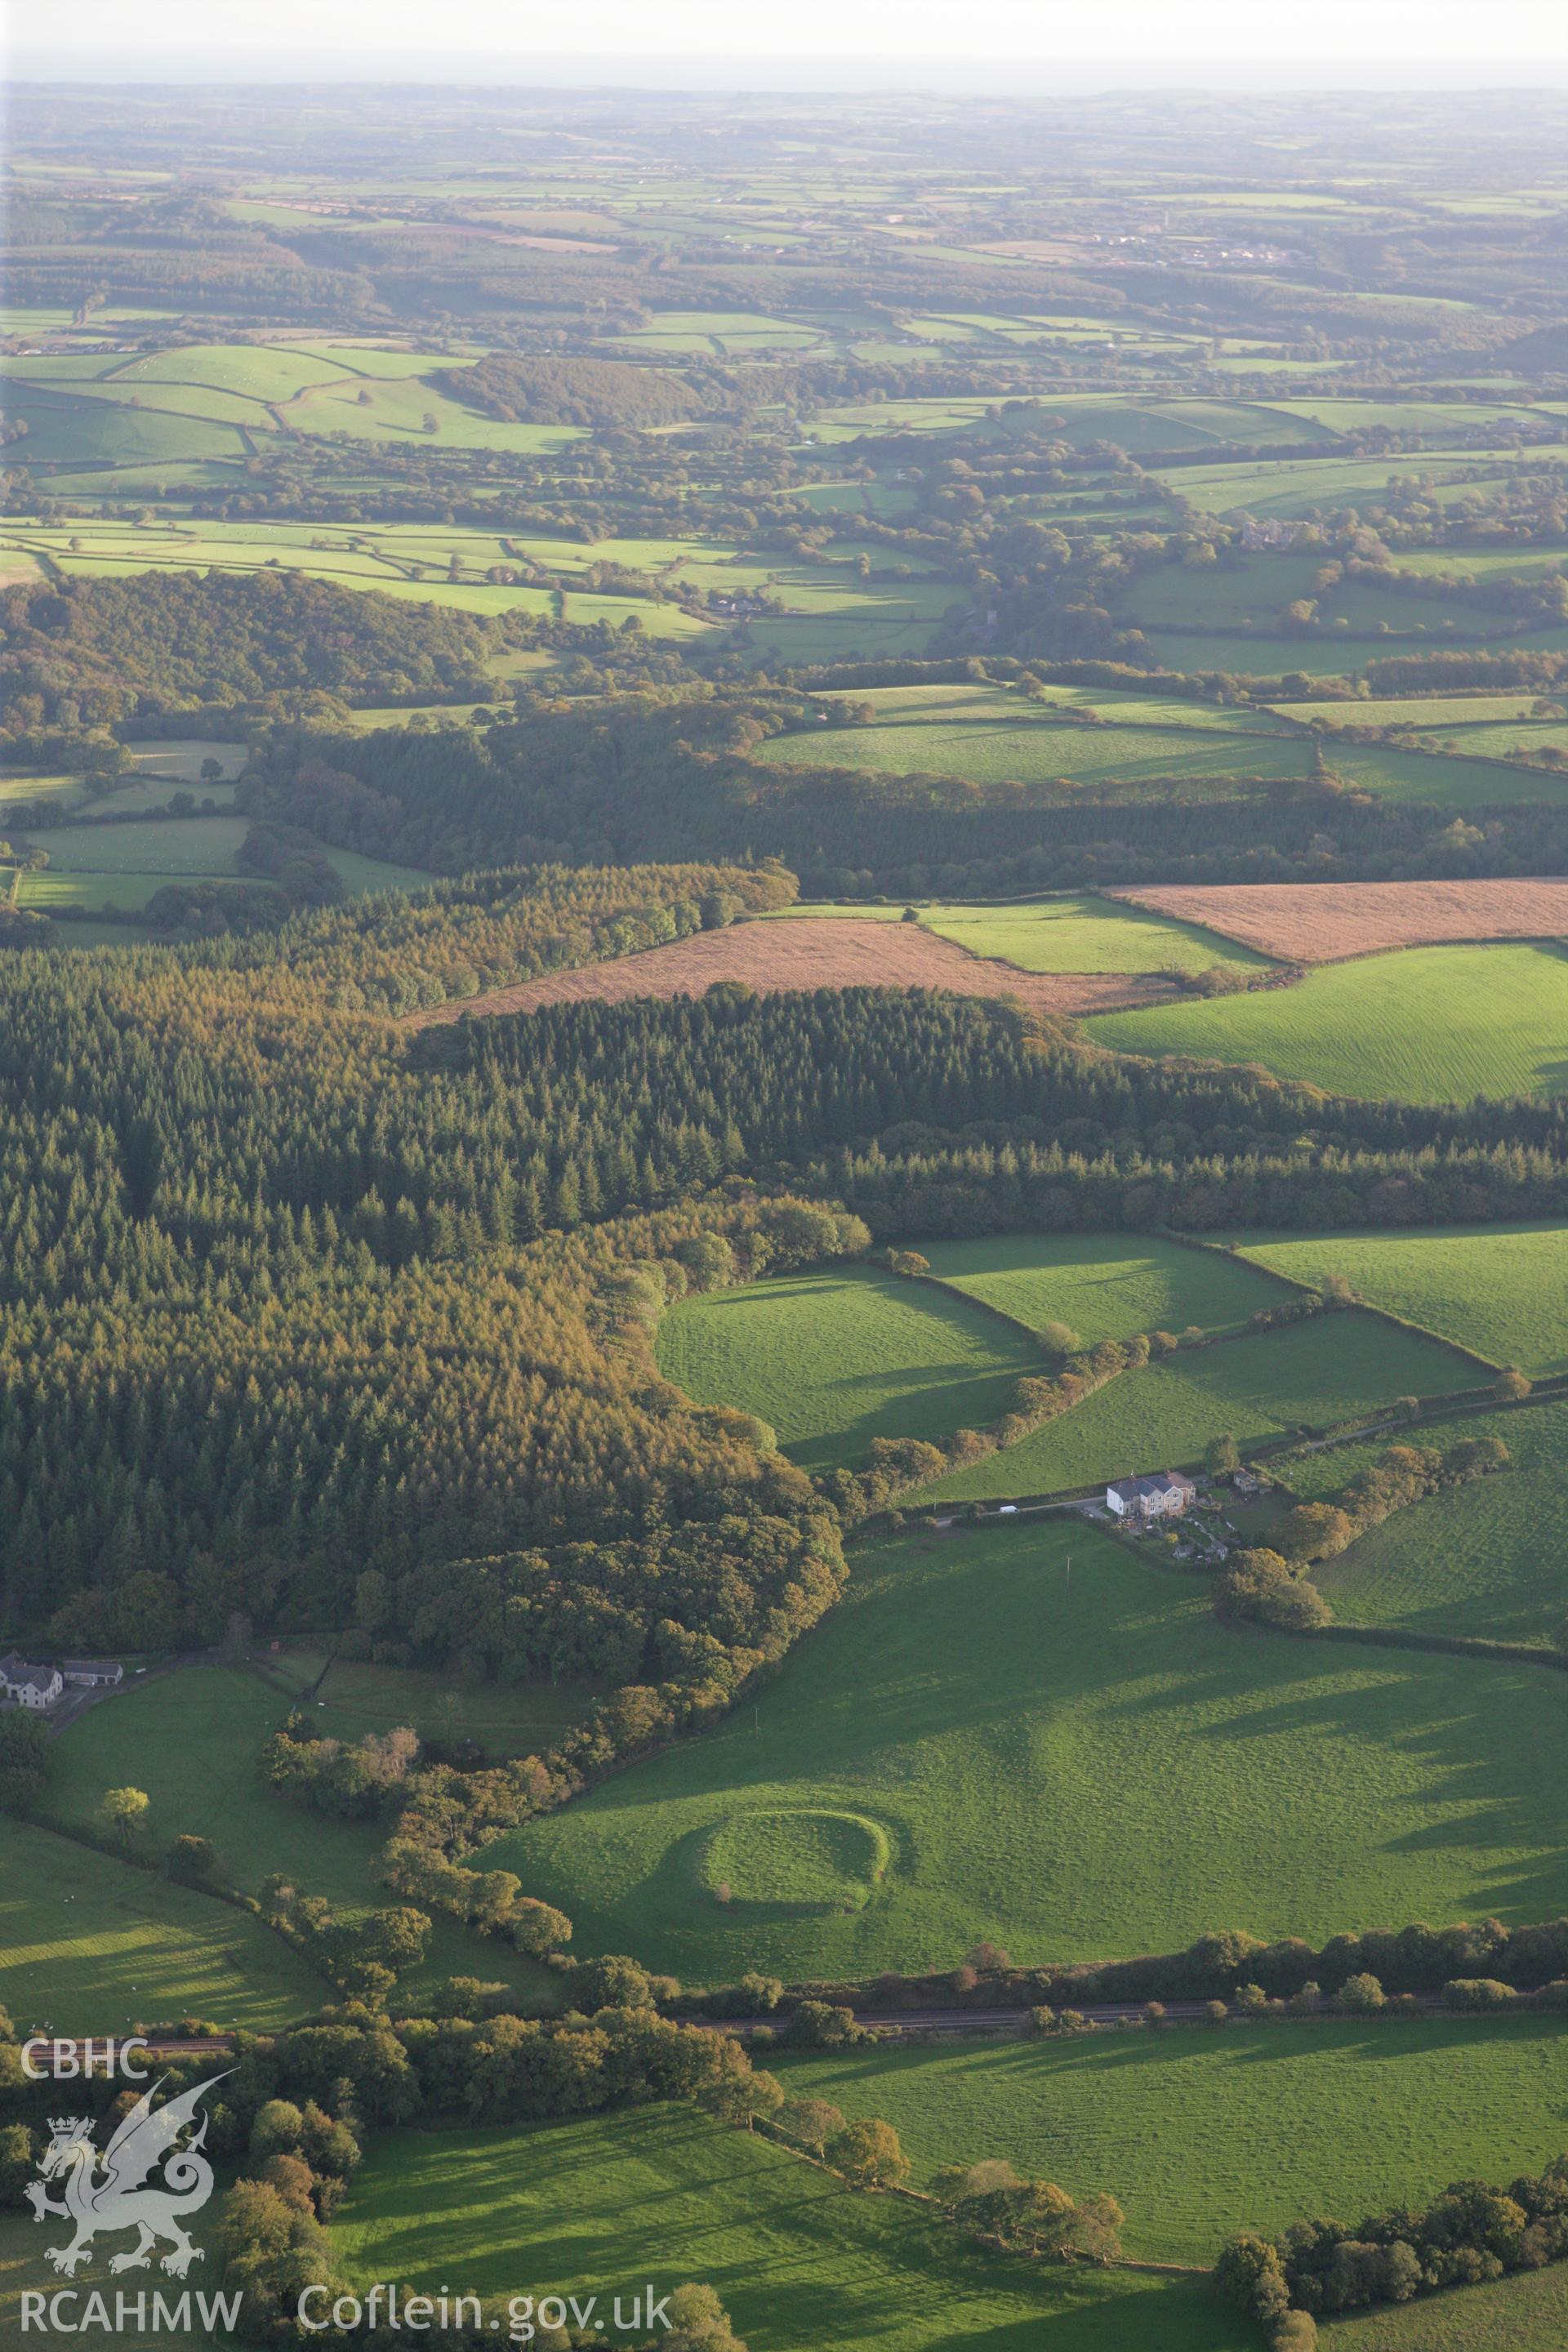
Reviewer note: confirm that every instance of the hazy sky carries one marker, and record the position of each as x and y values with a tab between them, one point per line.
1054	42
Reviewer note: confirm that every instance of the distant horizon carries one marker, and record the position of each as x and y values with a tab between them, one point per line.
909	69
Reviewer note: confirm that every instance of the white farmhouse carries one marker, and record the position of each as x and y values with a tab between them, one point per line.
1164	1494
24	1683
29	1681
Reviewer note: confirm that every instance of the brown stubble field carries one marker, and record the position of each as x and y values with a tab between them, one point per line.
1329	922
835	952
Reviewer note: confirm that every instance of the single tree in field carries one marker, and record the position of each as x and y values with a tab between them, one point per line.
1059	1338
868	2155
811	2122
1362	1995
123	1810
194	1860
737	2092
1314	1531
1221	1456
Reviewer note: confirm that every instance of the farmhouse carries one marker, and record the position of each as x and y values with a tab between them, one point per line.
1162	1495
27	1683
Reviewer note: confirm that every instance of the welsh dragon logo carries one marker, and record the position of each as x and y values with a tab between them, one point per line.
124	2195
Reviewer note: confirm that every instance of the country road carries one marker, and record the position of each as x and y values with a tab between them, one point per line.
953	2021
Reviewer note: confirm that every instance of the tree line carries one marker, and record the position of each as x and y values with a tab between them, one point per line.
661	774
1472	2232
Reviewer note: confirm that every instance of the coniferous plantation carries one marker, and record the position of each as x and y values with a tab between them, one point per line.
783	1205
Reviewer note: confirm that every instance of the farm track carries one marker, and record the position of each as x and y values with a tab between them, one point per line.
1333	922
834	953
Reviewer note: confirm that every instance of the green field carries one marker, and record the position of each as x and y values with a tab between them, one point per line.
1022	747
1485	1560
1450	712
348	1697
829	606
1428	1024
1516	742
90	1945
1103	1286
1499	1290
773	1864
1177	595
192	1741
1077	1763
1085	934
1071	933
606	2204
1431	777
25	2270
167	846
832	1360
125	864
1293	487
1333	1369
56	794
1527	2313
215	400
1187	2127
1329	653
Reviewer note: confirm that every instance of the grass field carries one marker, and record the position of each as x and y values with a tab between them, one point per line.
1333	1369
1103	1286
1429	776
1024	748
1431	1024
1085	935
1499	1290
54	793
1510	741
213	401
1290	487
124	865
829	606
90	1945
349	1697
192	1741
833	1360
807	1861
1175	595
23	2270
1072	933
167	846
1527	2313
606	2204
1430	710
1078	1764
1184	2126
1485	1560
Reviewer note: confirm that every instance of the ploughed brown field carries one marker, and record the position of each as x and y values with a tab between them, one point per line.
839	951
1324	922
